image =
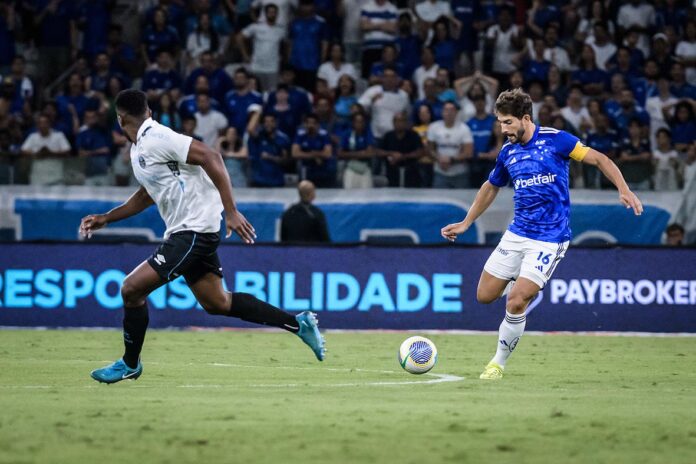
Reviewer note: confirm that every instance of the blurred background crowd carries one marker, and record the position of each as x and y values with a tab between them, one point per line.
346	93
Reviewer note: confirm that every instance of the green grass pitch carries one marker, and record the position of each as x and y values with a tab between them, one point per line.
248	397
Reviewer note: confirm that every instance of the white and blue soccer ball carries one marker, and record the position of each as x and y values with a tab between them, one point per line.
417	355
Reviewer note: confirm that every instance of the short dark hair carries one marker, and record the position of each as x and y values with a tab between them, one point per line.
312	116
242	70
515	103
674	227
133	102
269	6
665	131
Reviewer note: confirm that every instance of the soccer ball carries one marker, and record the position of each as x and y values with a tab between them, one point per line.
417	355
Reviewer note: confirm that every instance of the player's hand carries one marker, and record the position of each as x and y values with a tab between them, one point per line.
451	231
630	200
238	223
91	223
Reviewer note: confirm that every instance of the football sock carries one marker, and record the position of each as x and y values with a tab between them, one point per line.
249	308
135	322
509	334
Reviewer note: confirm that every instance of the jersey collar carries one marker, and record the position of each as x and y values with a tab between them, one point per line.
143	127
534	137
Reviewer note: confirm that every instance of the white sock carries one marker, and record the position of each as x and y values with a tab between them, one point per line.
509	334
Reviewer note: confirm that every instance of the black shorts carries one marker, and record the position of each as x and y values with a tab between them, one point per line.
186	253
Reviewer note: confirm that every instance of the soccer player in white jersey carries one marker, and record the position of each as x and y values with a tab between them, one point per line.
191	188
535	161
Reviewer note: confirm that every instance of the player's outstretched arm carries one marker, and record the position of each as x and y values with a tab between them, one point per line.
211	161
484	198
137	202
611	171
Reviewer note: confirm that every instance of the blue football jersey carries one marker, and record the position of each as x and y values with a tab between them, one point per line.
538	172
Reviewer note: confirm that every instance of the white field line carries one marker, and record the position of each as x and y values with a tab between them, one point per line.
435	379
591	333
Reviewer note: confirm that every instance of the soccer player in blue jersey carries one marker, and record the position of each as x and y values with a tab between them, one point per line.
535	162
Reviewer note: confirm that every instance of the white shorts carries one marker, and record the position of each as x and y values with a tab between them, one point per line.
518	256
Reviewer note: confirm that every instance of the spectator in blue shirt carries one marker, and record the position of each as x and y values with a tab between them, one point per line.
219	21
592	79
409	47
389	60
22	93
536	68
121	54
443	45
218	80
94	19
683	126
269	151
680	88
612	105
430	99
327	120
299	98
286	116
308	43
645	85
312	147
98	81
238	101
541	15
73	104
188	105
56	24
344	99
622	63
93	143
629	111
482	126
163	78
174	10
467	12
160	35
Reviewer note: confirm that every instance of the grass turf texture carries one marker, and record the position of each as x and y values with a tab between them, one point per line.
563	399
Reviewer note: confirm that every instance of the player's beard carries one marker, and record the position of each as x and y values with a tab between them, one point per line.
518	136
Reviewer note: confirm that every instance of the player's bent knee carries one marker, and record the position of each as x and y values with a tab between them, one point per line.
516	304
130	294
485	297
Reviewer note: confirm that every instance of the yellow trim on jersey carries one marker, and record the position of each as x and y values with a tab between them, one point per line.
579	152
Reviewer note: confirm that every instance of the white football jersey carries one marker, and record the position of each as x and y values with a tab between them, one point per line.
184	194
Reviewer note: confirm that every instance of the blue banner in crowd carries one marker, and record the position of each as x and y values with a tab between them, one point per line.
77	285
403	216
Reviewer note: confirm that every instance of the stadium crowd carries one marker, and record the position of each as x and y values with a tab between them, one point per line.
347	93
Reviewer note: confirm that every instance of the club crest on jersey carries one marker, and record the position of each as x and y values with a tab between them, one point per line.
141	161
174	167
539	179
